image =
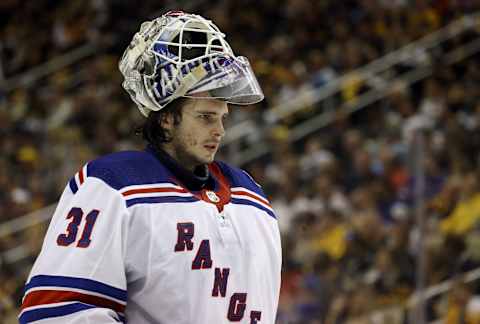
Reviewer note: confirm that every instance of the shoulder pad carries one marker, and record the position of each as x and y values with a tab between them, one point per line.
123	169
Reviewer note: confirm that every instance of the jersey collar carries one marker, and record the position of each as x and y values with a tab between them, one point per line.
193	181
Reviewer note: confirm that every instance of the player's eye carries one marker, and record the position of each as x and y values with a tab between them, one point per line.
206	117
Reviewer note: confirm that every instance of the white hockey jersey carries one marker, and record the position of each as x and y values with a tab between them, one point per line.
129	243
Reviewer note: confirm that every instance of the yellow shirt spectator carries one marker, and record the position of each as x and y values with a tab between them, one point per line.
463	217
332	242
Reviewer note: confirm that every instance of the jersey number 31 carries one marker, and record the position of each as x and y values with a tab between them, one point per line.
76	215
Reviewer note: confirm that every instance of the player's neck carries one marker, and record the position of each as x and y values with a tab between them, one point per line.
196	179
185	163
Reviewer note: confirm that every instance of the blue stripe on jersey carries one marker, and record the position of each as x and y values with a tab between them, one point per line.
79	283
73	185
251	203
122	169
157	200
240	178
43	313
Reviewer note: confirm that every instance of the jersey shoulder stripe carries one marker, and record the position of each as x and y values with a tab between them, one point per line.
167	192
240	178
244	196
241	201
78	179
245	191
240	192
158	200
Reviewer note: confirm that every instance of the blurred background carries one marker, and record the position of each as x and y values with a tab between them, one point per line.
367	145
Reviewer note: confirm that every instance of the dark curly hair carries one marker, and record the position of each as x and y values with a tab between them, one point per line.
152	131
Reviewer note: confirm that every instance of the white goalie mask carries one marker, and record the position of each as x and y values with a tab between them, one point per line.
180	55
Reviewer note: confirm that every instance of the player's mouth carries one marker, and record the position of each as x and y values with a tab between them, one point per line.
212	147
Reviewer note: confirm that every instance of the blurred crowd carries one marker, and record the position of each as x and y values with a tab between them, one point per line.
345	196
347	200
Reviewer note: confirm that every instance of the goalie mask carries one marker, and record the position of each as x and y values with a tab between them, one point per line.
180	55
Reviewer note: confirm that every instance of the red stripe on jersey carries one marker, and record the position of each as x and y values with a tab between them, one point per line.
80	175
223	190
45	297
244	193
149	190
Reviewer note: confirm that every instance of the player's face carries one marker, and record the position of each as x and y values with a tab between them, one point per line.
197	138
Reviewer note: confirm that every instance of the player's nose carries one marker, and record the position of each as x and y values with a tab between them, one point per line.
219	129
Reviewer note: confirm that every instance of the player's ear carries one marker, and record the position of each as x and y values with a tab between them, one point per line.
167	121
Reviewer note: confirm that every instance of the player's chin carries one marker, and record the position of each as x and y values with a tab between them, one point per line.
208	157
